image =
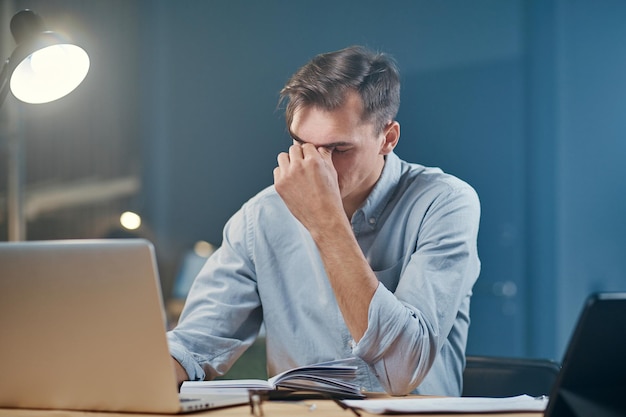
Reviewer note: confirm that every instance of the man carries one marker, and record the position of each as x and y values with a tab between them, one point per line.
352	252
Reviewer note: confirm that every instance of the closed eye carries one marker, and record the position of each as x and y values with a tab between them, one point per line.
337	147
340	149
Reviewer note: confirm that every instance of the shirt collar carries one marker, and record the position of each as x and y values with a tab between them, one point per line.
383	191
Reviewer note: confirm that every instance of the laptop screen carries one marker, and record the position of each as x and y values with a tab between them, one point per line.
83	327
592	380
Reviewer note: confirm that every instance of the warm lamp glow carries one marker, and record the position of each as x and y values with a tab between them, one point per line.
203	248
49	73
130	220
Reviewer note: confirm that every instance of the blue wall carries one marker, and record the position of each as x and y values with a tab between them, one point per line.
523	99
590	148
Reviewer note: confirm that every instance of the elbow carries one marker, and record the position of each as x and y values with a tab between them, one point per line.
408	370
408	375
404	383
399	389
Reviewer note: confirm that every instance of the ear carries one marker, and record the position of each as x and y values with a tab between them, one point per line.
391	136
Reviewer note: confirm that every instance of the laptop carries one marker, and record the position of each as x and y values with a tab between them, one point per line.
592	380
83	328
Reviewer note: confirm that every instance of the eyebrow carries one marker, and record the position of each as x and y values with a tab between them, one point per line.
328	145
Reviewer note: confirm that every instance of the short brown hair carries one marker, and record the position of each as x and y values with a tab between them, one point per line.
324	81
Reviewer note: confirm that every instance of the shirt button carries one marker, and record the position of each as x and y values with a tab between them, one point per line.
352	344
372	220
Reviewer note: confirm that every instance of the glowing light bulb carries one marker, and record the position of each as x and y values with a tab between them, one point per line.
49	73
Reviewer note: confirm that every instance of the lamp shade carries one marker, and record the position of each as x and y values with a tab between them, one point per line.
44	66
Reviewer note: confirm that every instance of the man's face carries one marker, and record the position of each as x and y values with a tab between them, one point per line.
357	151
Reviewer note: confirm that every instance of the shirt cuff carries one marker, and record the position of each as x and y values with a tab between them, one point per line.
380	334
194	371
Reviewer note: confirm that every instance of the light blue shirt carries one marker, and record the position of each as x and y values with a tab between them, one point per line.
418	231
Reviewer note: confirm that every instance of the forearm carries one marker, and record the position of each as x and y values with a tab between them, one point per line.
352	279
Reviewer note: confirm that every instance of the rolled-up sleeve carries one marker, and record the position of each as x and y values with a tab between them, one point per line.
184	357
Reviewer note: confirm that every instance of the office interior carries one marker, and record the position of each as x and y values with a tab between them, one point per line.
177	121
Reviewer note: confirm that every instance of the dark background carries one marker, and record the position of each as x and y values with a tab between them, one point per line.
177	121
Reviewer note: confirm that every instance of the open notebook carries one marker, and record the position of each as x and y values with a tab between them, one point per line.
83	328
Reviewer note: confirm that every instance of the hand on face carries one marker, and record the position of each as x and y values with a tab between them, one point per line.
307	182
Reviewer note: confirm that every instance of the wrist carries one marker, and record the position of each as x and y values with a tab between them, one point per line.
332	229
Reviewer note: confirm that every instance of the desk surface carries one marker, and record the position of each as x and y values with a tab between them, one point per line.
309	408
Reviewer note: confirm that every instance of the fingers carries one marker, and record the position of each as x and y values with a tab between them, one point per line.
296	152
309	151
283	159
276	174
299	152
325	152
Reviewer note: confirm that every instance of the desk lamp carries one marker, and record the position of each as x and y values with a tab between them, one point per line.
43	67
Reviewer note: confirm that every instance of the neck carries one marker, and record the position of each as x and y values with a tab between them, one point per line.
353	202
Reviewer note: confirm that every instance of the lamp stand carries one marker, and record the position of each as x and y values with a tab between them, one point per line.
16	224
9	120
28	31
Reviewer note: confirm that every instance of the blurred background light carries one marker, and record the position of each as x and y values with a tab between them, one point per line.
130	220
203	248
